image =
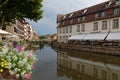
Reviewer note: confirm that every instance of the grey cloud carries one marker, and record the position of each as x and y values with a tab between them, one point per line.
53	7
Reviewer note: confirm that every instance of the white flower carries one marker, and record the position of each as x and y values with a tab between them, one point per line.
23	73
11	72
17	75
29	67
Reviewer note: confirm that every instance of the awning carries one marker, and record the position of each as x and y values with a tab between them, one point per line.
77	37
4	32
96	36
12	36
113	36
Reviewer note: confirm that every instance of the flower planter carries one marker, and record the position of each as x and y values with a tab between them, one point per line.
5	75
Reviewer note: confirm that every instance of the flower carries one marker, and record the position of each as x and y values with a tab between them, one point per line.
33	66
1	70
3	64
19	63
27	76
18	48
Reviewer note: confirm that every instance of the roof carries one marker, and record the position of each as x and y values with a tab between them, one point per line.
4	32
85	11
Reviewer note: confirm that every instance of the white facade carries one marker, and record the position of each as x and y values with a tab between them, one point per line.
64	33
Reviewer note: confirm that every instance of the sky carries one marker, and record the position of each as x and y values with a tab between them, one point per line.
47	25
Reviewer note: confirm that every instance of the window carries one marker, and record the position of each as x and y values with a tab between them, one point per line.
63	23
78	67
63	30
66	29
70	15
83	68
70	29
84	11
60	38
60	30
78	20
117	1
95	72
70	64
64	17
107	5
115	24
104	75
66	61
66	38
83	28
96	15
83	18
95	26
104	25
71	21
4	28
114	76
15	29
78	28
58	23
116	11
103	14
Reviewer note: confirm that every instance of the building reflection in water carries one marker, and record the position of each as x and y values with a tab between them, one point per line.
87	66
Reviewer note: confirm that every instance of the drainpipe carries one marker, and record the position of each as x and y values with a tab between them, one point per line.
109	24
108	28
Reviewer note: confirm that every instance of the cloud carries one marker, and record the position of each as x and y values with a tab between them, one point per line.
53	7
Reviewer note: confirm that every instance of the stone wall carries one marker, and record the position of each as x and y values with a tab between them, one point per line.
112	50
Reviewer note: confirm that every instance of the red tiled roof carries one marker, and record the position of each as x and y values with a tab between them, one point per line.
89	13
91	9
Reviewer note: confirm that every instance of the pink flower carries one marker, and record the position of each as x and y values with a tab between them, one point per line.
29	55
18	48
33	66
27	76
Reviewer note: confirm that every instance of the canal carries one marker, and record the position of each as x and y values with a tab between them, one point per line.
54	64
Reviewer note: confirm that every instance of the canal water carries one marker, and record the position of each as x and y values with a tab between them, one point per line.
54	64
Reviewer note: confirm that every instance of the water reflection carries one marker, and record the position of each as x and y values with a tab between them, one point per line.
87	66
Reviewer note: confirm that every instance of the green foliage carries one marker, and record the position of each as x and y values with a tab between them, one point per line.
20	9
1	44
43	37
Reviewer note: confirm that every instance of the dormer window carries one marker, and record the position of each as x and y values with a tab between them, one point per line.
64	17
107	5
58	23
70	15
117	1
83	18
63	23
84	11
103	14
96	15
116	11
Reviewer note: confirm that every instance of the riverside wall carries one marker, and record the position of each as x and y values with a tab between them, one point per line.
110	50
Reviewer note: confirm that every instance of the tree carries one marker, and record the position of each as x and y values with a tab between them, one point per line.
42	37
19	9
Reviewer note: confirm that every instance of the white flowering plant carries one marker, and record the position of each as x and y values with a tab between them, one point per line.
18	62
